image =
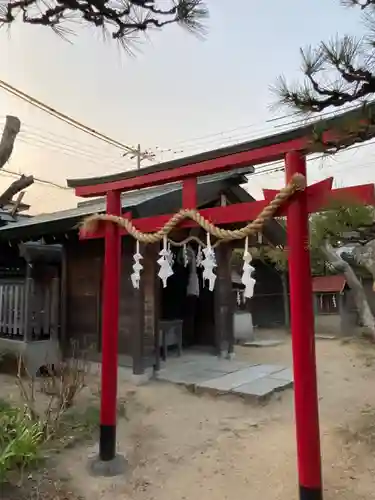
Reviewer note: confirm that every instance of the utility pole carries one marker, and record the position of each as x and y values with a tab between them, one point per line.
136	153
138	156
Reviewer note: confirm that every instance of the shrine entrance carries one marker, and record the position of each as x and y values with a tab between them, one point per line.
295	200
188	304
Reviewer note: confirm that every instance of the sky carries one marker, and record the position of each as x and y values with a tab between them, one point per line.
177	96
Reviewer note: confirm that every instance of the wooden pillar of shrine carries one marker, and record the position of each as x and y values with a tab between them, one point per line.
145	313
151	290
224	302
137	336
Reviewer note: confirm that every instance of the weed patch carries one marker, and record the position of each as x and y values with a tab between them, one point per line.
20	440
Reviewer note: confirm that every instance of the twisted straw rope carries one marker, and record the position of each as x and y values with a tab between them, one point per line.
298	183
188	239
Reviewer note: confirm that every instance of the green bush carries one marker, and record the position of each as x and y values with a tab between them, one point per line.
20	439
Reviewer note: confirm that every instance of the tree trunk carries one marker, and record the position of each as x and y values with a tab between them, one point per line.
286	302
11	129
22	183
360	299
365	257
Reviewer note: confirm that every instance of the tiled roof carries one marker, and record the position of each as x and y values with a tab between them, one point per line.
329	284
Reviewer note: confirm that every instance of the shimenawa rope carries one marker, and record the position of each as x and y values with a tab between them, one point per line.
297	183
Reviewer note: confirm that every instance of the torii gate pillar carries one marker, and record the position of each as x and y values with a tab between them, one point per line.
303	339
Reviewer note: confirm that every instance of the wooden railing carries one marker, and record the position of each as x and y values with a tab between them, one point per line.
12	308
28	309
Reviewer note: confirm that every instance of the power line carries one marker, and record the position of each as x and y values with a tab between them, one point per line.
255	133
136	151
76	145
69	149
266	169
48	135
55	145
278	165
72	152
85	150
65	118
38	180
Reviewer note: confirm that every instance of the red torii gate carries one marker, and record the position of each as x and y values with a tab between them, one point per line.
293	150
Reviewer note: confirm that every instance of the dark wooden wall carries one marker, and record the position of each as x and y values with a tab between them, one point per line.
151	302
140	310
267	305
129	301
205	315
84	262
137	316
224	301
137	322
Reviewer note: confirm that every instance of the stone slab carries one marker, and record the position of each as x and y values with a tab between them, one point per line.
263	343
200	362
180	362
286	374
219	375
111	468
261	387
271	368
232	380
226	366
189	377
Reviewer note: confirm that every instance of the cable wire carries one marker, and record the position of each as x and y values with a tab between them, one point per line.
65	118
38	180
264	130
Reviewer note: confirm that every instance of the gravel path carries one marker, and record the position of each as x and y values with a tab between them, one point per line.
182	447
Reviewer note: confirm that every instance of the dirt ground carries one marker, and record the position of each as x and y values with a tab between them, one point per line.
182	447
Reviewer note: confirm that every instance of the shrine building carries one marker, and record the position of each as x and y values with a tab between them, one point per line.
196	318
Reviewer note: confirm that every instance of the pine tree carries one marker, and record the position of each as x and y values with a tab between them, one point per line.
337	72
123	20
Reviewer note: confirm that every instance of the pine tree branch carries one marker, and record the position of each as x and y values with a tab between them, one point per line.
363	4
336	73
123	18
